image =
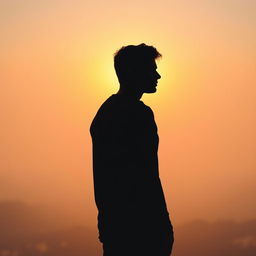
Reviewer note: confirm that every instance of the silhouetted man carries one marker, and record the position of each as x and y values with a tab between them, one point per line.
132	214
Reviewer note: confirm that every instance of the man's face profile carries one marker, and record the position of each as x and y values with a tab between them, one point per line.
149	77
144	78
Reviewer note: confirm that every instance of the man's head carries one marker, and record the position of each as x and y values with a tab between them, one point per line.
136	67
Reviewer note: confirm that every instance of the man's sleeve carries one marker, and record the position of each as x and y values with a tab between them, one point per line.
123	162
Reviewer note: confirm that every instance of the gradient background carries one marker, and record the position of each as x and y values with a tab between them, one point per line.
57	69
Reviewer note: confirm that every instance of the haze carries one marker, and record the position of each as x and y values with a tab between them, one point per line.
57	68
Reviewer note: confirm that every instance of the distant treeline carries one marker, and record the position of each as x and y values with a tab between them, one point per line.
27	230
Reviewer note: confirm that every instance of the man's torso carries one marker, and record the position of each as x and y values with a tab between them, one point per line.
128	191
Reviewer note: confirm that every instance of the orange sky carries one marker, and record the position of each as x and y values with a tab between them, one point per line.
57	68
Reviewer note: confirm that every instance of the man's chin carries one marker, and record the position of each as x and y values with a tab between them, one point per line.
150	90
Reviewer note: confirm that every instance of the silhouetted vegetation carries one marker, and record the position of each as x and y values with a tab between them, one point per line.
24	230
222	238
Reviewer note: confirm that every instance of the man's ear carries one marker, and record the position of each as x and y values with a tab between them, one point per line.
129	74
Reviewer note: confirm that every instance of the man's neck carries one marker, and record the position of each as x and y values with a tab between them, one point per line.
132	94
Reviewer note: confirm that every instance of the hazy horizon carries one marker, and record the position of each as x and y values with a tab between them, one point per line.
29	230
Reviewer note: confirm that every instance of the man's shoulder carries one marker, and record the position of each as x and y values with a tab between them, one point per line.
117	105
117	113
119	109
109	110
110	107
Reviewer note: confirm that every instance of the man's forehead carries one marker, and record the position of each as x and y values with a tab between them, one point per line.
146	64
151	64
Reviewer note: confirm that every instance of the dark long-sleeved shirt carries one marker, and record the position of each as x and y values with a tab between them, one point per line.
127	187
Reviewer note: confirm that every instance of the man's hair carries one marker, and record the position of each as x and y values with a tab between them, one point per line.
131	56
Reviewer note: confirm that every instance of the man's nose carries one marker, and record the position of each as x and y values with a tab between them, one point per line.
158	75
